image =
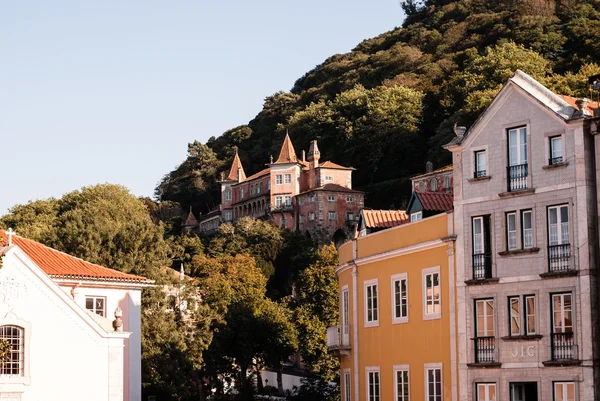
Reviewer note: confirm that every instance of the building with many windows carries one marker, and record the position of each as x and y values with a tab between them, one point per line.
526	201
395	339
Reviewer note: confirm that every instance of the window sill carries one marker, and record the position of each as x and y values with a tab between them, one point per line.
557	165
479	179
512	194
523	338
435	316
569	362
23	380
518	252
484	365
372	324
565	273
400	320
482	281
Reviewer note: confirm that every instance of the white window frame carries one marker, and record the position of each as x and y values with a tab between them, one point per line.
562	228
287	200
486	331
416	216
241	193
527	232
398	369
428	367
517	155
331	198
287	178
345	318
349	216
564	385
517	319
447	182
427	272
528	330
554	151
374	283
228	195
347	385
331	216
478	243
480	163
349	199
486	388
512	243
301	219
311	198
398	278
434	185
311	216
375	371
278	179
94	298
562	327
25	379
278	201
228	215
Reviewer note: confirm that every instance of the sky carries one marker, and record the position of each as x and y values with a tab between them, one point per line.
114	90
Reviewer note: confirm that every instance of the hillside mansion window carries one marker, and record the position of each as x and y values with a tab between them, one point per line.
434	184
241	193
13	365
96	305
228	195
512	224
432	302
563	391
486	392
288	200
349	216
331	216
402	383
311	216
288	178
400	298
228	215
278	201
371	303
349	199
416	216
447	182
434	384
331	198
559	250
480	164
301	219
278	179
517	159
522	315
556	150
373	384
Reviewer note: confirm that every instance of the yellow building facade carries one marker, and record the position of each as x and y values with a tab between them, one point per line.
397	322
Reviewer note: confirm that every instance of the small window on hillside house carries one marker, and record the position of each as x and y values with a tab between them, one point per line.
434	185
349	199
288	178
416	216
96	305
480	164
278	179
556	150
331	198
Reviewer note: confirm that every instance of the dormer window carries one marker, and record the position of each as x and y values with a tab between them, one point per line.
556	150
416	216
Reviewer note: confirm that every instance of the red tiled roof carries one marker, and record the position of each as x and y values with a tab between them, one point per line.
58	264
259	174
287	153
384	218
235	166
571	100
436	201
328	164
191	220
332	188
438	171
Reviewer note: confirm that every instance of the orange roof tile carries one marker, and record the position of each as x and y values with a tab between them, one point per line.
329	164
436	201
287	153
58	264
259	174
572	102
384	218
235	167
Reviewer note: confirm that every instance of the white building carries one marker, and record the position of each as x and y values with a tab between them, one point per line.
58	313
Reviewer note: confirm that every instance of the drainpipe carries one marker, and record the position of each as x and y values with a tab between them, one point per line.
355	319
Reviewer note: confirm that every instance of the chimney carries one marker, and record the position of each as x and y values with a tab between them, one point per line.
313	154
582	104
239	174
459	131
303	156
428	167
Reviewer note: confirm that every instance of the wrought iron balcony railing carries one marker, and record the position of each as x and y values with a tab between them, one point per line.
517	177
564	347
559	258
485	350
482	266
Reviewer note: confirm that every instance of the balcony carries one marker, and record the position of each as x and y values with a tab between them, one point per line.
517	177
564	351
482	269
485	352
559	257
338	339
284	207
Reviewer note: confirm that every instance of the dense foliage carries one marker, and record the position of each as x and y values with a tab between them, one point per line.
390	103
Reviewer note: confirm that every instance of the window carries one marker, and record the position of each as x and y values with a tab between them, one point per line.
527	229
349	199
433	383
251	190
259	188
511	231
288	200
421	186
278	201
241	193
228	195
515	318
485	331
282	222
345	316
228	215
434	185
311	216
14	365
331	198
482	258
486	392
373	384
432	306
371	303
347	387
517	159
480	164
288	178
556	150
564	391
331	216
400	298
328	178
528	320
278	179
447	183
300	201
349	216
562	313
559	250
416	216
96	305
268	185
402	383
311	198
301	219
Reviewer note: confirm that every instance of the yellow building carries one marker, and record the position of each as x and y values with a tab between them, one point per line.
395	339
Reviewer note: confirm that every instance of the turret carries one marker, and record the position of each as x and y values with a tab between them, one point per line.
313	154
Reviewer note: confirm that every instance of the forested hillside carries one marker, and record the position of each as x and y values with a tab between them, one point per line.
388	105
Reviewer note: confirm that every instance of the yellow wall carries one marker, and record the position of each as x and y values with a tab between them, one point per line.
418	341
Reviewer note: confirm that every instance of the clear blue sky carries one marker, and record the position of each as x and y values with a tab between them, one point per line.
113	90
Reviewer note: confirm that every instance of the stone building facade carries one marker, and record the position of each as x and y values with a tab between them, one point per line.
302	194
526	214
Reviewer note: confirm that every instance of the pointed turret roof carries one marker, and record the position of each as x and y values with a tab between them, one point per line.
235	166
191	220
287	153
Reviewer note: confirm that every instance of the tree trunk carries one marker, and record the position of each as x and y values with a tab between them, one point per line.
259	382
280	380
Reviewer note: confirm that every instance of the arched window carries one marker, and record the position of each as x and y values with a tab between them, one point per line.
434	184
14	364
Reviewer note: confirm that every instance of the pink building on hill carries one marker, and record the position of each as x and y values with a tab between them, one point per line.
299	194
